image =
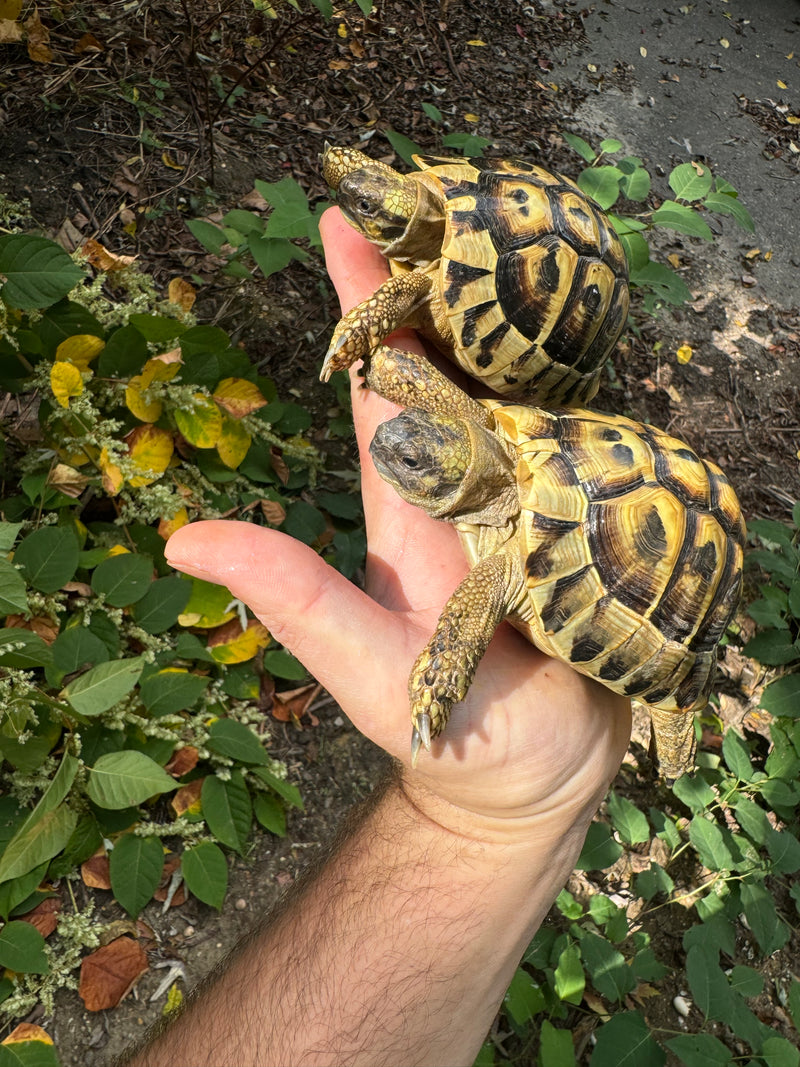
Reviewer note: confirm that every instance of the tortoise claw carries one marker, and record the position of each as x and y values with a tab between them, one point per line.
420	736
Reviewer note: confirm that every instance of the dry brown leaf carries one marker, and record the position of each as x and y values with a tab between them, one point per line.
109	974
87	43
272	511
39	624
182	293
292	705
187	796
67	480
254	201
183	761
10	32
279	466
95	871
28	1032
44	916
102	259
81	588
39	48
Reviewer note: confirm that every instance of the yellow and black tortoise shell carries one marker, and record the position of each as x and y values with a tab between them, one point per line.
632	549
534	279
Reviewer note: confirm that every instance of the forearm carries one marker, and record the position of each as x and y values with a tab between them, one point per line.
399	951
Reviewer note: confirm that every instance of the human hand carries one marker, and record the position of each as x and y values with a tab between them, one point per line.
533	739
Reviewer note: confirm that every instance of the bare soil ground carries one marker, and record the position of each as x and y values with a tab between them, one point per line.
161	111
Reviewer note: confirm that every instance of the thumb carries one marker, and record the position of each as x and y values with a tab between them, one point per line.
338	633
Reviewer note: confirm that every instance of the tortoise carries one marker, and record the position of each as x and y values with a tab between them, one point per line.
608	543
511	271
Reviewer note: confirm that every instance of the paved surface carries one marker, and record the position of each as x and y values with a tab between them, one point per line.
666	84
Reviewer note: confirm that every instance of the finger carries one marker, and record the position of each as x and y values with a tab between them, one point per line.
350	644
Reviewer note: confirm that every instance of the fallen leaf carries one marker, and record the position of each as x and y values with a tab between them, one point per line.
724	42
684	353
87	43
752	253
781	84
10	9
67	480
28	1032
170	162
39	624
95	871
10	32
643	52
167	527
109	974
187	798
229	643
182	293
279	466
39	48
183	761
273	512
292	705
44	916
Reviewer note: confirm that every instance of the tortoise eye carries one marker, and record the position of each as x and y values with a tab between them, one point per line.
410	461
365	207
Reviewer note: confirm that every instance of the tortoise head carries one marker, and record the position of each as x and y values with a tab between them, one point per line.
373	198
452	468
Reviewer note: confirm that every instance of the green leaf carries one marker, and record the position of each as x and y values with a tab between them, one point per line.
794	1002
101	687
710	844
784	851
205	872
304	521
778	1052
773	648
555	1046
123	579
157	328
737	755
769	612
271	813
690	183
569	976
283	664
164	601
653	881
610	974
231	738
694	791
630	823
583	148
728	205
227	809
83	842
469	144
403	146
700	1050
568	905
746	981
30	1052
243	221
271	254
22	949
599	849
124	355
752	819
524	998
48	557
170	691
636	184
664	283
209	236
121	779
46	829
13	595
433	113
9	531
601	184
135	867
17	890
76	648
22	648
708	984
38	272
625	1041
782	697
684	219
769	929
289	792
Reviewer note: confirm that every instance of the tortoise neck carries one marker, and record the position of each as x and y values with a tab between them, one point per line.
421	242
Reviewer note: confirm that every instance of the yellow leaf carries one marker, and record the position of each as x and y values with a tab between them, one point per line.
10	9
476	42
80	350
144	410
341	30
28	1032
66	382
167	527
150	450
231	644
470	117
239	397
768	255
233	443
101	259
118	550
67	480
643	52
674	259
208	605
684	353
160	368
180	292
725	42
793	120
780	84
112	476
202	424
168	161
752	253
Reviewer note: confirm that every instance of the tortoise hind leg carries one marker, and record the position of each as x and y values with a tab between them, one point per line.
674	741
391	306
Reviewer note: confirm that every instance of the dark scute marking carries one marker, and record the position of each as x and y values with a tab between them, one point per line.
489	343
651	539
676	614
585	648
686	453
579	213
458	275
519	196
706	561
538	564
556	611
655	695
611	435
723	604
613	669
471	318
524	211
550	275
608	333
471	221
623	454
689	690
454	189
634	687
568	338
523	309
509	379
592	299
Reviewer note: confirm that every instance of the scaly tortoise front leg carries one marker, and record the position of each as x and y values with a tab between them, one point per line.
391	306
443	671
